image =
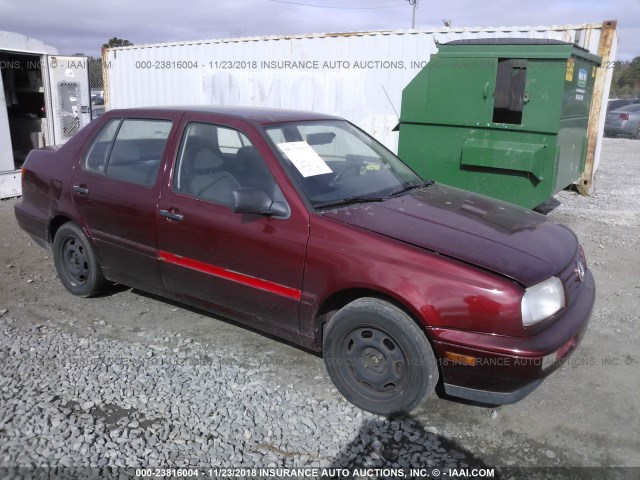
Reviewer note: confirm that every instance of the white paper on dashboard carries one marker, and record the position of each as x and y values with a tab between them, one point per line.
305	158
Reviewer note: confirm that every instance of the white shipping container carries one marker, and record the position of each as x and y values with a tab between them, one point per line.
358	76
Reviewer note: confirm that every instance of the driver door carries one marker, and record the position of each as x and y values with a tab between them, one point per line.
244	266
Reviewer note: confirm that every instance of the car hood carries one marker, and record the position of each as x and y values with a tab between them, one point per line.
491	234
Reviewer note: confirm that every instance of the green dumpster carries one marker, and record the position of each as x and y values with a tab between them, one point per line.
505	118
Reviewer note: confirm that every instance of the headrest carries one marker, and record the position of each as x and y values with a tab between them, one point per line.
205	159
206	133
248	154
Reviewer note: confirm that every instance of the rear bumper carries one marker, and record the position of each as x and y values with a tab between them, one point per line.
614	130
506	369
35	226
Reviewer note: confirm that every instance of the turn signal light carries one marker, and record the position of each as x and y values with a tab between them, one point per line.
461	359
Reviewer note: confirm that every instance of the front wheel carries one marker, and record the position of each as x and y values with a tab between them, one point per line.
76	262
378	358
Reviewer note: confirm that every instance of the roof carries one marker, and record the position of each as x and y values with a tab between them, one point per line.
16	42
369	33
259	115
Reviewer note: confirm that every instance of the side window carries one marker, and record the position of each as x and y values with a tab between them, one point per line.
231	141
213	161
137	151
96	157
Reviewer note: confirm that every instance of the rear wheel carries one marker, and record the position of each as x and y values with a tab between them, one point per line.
638	132
379	358
76	262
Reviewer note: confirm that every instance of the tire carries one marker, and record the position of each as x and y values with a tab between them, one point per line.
76	262
637	135
363	341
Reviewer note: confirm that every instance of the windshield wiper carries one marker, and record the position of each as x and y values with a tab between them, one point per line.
411	186
349	201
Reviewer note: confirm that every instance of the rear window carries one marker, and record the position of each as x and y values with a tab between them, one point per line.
129	150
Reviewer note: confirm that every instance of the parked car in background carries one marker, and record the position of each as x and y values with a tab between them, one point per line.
624	121
301	225
615	103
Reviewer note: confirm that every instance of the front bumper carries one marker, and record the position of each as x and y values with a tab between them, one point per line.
506	369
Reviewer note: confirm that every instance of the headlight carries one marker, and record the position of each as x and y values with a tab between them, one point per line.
541	301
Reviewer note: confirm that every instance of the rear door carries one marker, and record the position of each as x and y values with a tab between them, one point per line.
246	267
115	192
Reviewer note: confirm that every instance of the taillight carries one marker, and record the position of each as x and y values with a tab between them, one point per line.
623	116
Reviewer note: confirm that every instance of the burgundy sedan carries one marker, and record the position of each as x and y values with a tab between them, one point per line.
301	225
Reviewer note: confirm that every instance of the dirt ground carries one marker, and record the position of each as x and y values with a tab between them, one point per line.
585	414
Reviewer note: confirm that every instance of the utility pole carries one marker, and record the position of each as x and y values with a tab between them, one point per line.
413	3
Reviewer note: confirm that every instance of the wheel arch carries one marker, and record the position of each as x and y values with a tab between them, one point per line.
337	300
55	224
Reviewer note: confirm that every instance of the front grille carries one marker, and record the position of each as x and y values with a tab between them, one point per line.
570	278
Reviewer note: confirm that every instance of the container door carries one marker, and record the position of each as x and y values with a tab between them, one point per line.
460	91
70	96
6	152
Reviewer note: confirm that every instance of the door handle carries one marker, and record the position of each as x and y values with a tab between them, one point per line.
171	216
485	90
81	190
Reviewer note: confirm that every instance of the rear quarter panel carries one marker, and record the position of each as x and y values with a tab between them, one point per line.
46	184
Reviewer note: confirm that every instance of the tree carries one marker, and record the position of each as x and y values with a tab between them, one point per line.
117	42
628	82
625	81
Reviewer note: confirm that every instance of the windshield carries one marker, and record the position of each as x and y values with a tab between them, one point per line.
334	161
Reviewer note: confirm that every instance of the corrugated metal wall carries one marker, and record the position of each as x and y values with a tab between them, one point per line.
349	75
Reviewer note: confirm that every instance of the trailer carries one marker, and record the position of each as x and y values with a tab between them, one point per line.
44	100
359	75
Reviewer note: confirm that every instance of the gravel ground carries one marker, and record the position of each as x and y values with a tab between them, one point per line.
130	380
80	400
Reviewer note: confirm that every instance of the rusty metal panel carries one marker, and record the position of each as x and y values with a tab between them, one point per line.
607	46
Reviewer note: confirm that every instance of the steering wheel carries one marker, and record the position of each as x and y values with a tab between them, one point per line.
341	175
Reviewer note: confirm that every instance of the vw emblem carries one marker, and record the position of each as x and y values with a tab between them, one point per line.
580	270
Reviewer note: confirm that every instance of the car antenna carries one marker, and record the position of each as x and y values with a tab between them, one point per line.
397	127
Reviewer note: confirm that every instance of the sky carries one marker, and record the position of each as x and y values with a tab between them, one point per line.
82	26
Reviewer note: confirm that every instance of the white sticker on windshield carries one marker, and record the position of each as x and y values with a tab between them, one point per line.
305	158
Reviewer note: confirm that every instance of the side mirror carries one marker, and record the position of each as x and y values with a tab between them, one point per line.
249	200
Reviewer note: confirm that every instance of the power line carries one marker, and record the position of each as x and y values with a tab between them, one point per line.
339	8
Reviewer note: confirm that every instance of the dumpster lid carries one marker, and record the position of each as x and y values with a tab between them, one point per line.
512	41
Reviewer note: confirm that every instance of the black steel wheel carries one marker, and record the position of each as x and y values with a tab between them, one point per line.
76	262
378	358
